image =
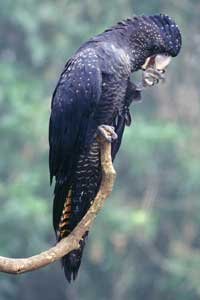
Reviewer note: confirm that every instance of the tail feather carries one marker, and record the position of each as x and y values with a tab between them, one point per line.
62	211
72	261
74	194
60	193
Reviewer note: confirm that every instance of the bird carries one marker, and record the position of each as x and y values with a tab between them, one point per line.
93	96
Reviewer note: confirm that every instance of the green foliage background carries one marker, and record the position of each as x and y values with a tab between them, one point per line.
145	244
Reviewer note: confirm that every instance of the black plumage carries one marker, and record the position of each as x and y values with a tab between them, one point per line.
95	89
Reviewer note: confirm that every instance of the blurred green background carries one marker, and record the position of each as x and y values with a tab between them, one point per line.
145	244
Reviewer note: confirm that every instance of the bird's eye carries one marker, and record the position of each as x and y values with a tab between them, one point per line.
156	48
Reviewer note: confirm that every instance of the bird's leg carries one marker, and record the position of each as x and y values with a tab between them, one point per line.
151	76
107	132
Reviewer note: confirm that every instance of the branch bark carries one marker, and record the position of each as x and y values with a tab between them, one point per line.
66	245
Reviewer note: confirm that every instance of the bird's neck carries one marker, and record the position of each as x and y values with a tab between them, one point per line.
138	56
136	46
133	41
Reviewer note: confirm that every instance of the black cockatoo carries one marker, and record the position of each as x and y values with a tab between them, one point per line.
93	96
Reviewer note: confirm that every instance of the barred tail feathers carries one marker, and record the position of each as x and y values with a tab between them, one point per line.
72	261
72	202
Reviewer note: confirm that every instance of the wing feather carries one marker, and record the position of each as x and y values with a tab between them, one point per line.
73	104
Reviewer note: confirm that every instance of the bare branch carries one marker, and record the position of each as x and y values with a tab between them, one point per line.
22	265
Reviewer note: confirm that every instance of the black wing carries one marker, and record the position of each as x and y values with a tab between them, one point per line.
73	105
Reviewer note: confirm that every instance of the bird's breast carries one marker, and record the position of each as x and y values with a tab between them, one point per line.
112	100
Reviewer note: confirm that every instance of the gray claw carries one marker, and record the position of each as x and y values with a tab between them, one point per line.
159	75
107	132
152	76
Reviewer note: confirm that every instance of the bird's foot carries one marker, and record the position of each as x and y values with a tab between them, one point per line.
151	76
107	132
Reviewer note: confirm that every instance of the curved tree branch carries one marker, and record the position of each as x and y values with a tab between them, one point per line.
22	265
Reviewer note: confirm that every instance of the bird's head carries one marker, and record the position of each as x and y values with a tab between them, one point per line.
152	36
163	35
